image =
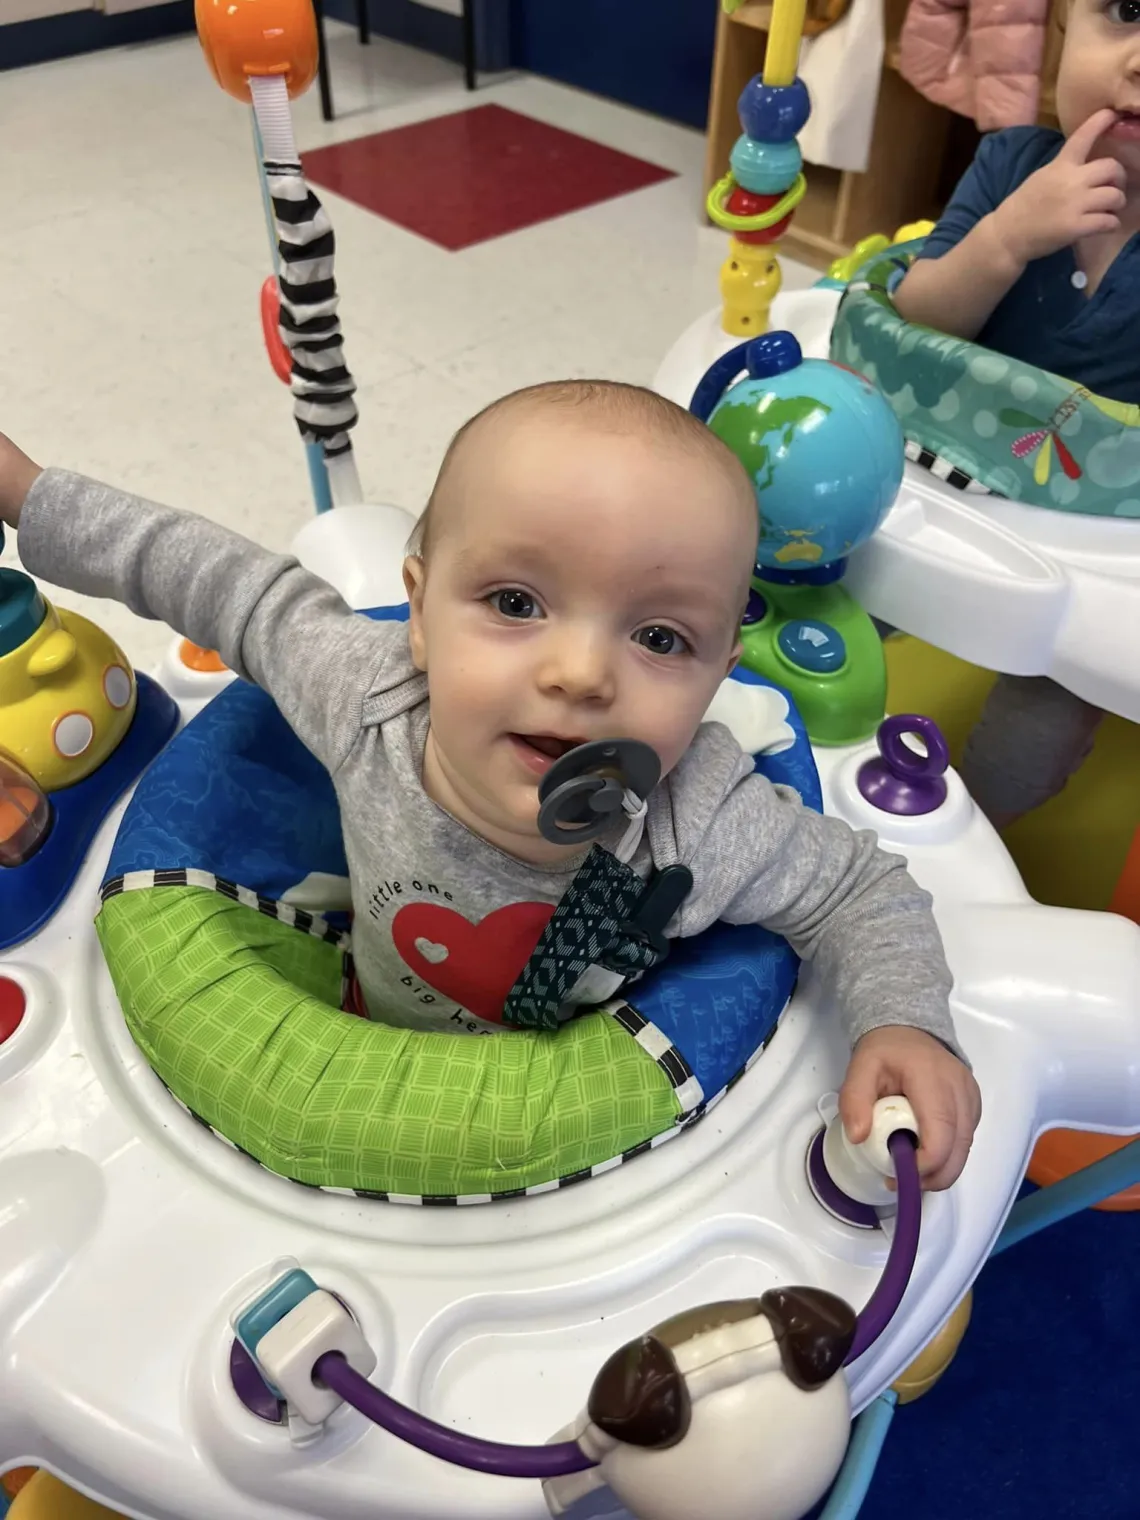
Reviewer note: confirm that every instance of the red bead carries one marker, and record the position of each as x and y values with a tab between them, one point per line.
12	1005
744	203
767	235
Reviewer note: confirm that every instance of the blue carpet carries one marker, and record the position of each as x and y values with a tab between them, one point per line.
1039	1413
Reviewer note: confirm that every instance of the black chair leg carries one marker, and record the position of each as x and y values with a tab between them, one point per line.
362	22
323	62
469	43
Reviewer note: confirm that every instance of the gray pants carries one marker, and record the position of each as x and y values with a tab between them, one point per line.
1031	737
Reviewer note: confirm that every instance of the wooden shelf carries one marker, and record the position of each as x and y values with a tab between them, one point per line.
755	13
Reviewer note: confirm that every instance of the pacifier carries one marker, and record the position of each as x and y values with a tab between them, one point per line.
586	789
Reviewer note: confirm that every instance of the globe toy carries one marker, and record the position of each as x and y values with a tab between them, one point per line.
822	448
824	453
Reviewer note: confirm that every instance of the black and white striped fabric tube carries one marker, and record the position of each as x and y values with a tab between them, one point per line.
323	388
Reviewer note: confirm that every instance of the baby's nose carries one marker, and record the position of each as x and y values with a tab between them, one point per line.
579	665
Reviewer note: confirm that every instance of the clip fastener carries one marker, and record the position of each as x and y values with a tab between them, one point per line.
657	906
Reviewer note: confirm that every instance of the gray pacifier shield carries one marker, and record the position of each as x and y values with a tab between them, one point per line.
583	790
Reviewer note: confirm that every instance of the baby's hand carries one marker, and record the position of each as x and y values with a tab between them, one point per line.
942	1092
1068	199
17	473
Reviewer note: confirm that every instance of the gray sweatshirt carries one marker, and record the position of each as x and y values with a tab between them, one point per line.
443	921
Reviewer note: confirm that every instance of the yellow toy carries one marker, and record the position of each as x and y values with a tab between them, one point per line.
43	1497
67	691
934	1358
783	51
750	280
844	269
755	201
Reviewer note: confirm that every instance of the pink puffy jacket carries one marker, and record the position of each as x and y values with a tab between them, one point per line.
981	58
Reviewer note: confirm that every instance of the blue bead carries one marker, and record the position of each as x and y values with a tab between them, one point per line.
765	168
773	113
772	354
813	646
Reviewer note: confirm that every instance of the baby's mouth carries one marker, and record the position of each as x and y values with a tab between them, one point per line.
549	745
538	752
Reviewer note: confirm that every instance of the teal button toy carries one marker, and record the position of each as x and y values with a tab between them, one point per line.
810	645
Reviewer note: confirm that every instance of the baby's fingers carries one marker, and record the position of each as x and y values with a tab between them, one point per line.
1078	147
1105	171
860	1092
1103	198
1097	221
938	1134
948	1173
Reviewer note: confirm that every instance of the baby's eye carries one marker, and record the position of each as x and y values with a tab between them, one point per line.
1127	12
513	603
661	640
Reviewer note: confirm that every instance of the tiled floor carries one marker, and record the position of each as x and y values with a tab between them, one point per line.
135	249
467	176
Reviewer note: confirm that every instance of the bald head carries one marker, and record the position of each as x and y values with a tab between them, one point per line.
606	407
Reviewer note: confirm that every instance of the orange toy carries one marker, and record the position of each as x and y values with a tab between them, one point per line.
194	657
258	38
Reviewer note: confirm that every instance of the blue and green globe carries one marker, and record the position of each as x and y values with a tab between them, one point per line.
824	452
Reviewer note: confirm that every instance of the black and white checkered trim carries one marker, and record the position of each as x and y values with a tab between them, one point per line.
942	469
296	918
664	1053
671	1062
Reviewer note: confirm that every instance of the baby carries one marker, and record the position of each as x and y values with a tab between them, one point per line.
1036	256
579	574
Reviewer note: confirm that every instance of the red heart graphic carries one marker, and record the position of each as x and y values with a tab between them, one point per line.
483	960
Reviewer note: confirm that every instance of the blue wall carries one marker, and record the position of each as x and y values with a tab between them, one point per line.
434	31
653	54
85	31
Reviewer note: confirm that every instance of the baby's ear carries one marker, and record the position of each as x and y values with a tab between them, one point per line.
415	575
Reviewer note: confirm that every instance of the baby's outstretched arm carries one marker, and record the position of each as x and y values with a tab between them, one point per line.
270	620
18	474
1068	199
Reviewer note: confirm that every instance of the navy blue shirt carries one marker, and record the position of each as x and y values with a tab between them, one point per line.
1044	319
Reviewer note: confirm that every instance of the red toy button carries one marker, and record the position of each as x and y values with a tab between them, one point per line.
12	1005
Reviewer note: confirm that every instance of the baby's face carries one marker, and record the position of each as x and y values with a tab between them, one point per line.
1100	66
581	584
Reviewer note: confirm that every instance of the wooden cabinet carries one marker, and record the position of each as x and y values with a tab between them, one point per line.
915	145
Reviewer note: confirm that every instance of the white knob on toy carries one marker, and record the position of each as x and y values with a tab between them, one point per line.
862	1170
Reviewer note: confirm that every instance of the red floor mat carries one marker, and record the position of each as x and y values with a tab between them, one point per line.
462	179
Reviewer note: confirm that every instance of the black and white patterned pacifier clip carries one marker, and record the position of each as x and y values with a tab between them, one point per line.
609	917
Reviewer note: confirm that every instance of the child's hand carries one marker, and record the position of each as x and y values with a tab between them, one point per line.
17	474
1068	199
942	1092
